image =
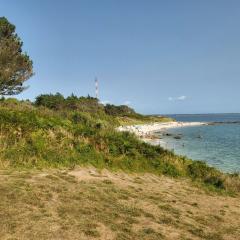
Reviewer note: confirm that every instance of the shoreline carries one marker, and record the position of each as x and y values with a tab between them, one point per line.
146	131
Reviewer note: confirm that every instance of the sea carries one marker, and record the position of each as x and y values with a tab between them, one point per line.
217	144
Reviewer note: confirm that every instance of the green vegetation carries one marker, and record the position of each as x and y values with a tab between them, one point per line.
64	132
62	201
15	66
127	116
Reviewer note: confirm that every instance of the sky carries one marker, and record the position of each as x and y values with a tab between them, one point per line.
157	56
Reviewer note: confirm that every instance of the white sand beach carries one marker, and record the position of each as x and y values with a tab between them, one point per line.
145	130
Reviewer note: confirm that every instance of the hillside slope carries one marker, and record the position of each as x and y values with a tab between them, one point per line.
56	132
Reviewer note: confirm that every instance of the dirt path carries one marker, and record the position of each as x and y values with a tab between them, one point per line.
87	204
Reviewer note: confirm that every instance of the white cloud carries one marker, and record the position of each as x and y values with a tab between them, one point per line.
180	98
105	102
127	103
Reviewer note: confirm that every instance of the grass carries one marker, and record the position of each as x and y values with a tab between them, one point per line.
76	204
133	120
39	137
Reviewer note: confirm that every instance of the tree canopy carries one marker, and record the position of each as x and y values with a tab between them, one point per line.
15	66
57	102
121	110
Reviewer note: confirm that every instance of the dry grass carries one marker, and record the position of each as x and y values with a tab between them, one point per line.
87	204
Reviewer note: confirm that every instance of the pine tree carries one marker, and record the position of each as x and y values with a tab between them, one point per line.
15	66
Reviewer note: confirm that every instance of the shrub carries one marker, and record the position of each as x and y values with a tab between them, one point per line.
50	100
36	136
216	181
121	110
199	169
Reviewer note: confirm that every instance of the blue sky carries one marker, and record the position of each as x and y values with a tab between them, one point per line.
158	56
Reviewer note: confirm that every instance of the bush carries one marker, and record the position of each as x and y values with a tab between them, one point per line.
121	110
50	100
199	169
36	136
216	181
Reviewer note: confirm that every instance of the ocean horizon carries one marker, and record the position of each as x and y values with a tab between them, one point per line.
205	117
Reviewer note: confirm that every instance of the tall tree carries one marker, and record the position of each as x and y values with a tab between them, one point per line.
15	66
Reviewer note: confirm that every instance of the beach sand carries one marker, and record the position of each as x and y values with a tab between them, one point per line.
147	129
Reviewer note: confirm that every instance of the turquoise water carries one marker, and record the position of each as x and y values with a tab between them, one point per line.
218	145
